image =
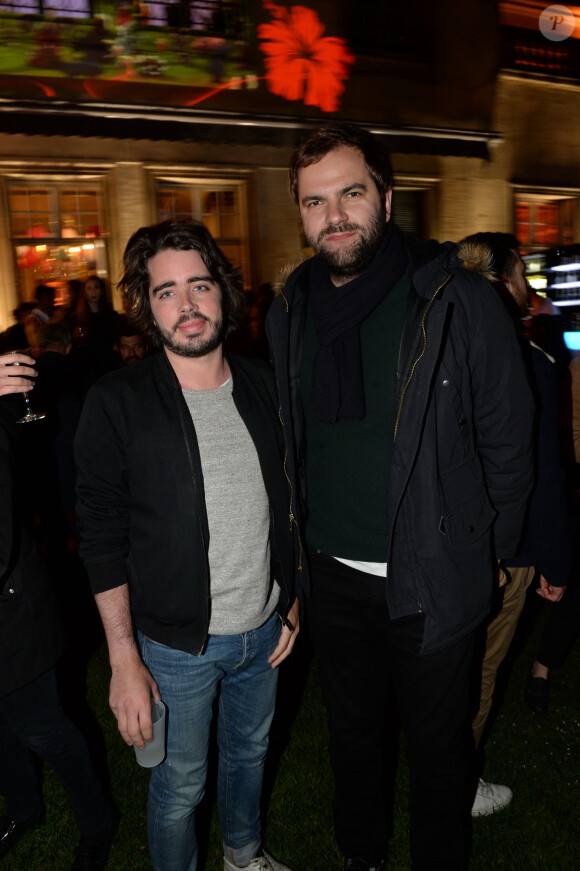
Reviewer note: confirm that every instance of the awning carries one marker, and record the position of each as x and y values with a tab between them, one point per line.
114	121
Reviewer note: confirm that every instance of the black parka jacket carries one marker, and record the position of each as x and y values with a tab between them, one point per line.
141	504
462	466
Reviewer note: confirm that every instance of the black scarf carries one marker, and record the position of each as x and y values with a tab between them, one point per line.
338	312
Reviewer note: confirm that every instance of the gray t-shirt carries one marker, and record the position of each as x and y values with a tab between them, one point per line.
243	595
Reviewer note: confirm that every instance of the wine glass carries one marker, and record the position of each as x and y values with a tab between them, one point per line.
29	414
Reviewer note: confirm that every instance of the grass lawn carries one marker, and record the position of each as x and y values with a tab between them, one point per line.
537	756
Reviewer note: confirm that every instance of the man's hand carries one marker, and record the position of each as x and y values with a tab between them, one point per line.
16	379
132	687
547	591
290	630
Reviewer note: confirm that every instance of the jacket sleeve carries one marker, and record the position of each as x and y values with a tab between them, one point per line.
102	495
547	544
503	411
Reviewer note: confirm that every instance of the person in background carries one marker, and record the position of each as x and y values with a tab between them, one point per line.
257	320
94	330
544	324
31	642
67	311
14	338
58	392
545	550
39	316
412	438
181	478
131	345
563	624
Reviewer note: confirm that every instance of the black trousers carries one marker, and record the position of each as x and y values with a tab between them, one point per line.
359	648
32	718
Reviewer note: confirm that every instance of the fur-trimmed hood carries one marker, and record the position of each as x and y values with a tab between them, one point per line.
478	257
284	274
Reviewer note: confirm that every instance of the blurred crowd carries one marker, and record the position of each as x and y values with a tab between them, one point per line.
73	345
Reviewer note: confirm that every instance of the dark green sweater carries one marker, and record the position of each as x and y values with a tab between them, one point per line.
348	462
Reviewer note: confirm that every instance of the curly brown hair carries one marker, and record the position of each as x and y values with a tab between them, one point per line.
146	242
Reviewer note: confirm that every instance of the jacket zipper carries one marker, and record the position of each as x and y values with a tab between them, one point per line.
417	361
291	515
415	364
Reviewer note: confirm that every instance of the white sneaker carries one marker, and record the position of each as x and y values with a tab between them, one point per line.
260	863
489	798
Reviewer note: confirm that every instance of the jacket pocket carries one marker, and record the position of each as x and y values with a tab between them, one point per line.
468	522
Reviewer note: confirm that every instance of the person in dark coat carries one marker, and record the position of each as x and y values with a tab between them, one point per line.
51	468
31	642
409	441
545	550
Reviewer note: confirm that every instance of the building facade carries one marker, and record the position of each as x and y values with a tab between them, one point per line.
117	115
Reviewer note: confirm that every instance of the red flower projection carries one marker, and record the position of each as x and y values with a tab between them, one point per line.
300	62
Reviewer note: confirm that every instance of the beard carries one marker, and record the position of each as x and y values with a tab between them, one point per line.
193	346
348	261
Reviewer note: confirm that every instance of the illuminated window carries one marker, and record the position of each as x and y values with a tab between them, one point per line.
57	233
543	221
209	15
24	7
69	8
62	8
524	47
220	206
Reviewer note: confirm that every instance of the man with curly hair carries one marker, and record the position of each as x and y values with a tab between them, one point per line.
184	511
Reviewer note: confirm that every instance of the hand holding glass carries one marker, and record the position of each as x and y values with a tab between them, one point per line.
154	751
29	414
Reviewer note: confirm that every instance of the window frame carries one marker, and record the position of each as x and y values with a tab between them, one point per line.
54	181
429	187
206	179
536	196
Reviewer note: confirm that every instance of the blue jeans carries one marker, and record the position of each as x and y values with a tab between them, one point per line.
235	668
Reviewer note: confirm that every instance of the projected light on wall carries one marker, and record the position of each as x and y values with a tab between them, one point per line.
301	63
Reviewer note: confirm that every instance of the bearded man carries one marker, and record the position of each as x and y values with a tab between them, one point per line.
186	532
408	419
